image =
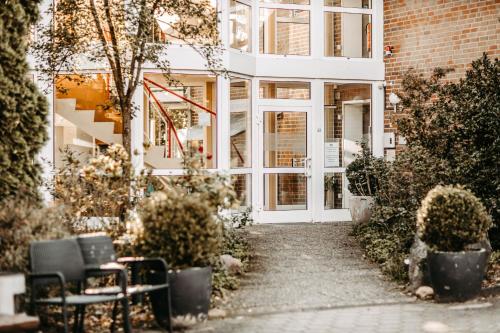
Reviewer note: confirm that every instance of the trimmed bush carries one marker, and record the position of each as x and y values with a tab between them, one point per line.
179	228
365	173
451	218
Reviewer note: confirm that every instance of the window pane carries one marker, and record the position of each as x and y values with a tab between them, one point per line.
349	3
284	31
285	191
333	190
288	2
348	35
284	90
347	121
240	123
179	119
86	119
240	26
243	187
285	139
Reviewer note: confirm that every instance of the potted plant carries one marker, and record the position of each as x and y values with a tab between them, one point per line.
181	224
450	220
330	182
363	175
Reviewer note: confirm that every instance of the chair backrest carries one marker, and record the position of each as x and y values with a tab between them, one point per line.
62	255
97	249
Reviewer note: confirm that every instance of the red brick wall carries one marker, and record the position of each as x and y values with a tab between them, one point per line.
441	33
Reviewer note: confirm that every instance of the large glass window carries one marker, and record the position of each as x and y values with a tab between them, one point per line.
349	3
287	2
240	20
285	191
179	119
85	119
284	90
242	184
348	35
347	122
284	31
240	123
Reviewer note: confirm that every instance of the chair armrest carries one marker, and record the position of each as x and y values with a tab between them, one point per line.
32	277
118	270
142	260
153	262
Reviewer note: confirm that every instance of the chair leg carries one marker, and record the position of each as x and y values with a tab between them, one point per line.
65	318
169	303
115	313
127	327
77	319
81	326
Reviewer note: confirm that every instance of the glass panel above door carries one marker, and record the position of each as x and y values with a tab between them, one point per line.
285	139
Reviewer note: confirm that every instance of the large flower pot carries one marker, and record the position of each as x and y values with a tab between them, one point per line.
361	208
457	276
190	291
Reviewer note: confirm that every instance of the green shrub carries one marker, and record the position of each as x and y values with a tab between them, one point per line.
179	228
22	222
365	173
451	218
23	109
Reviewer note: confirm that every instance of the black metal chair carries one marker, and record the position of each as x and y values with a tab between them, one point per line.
98	250
60	262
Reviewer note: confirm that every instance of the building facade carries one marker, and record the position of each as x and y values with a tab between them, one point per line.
307	84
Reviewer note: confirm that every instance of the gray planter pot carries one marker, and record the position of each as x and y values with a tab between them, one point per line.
360	207
191	289
457	276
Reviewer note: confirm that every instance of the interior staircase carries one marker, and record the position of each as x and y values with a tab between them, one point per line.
85	120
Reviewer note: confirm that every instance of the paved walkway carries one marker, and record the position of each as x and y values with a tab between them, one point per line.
312	278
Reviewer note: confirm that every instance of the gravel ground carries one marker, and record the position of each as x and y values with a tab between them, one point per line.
312	278
303	266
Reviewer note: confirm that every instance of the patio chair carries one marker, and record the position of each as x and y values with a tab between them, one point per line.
98	250
60	262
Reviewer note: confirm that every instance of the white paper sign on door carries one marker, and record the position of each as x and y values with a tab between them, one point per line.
332	151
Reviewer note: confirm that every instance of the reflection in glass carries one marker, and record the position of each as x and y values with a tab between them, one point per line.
240	23
284	90
285	142
333	190
285	191
348	35
284	31
240	123
347	121
242	185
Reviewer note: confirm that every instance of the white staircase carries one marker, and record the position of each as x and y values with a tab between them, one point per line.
84	120
155	157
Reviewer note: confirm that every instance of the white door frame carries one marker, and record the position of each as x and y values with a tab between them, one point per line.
300	215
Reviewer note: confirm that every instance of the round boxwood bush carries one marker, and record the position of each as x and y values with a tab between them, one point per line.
451	218
179	228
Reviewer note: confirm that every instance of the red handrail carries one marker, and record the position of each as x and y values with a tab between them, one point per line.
238	152
171	124
185	99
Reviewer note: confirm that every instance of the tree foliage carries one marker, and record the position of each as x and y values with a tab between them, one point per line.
453	135
23	110
117	36
459	124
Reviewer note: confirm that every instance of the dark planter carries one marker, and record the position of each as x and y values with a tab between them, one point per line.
457	276
190	293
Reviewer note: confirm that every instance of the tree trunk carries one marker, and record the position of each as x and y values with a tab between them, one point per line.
126	133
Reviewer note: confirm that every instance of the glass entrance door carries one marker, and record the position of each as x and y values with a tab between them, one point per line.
285	164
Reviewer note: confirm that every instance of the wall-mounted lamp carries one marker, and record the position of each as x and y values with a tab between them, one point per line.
394	100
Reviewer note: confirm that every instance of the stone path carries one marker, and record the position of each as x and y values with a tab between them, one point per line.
312	278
